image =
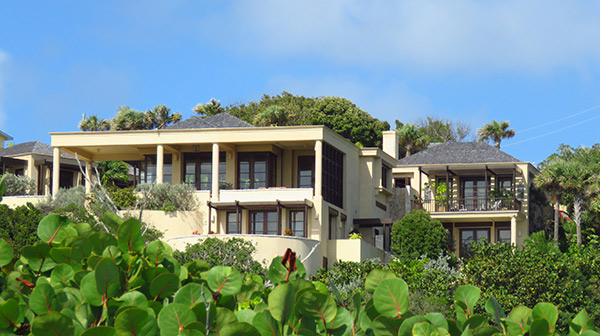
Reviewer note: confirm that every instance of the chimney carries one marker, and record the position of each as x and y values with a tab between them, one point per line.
390	143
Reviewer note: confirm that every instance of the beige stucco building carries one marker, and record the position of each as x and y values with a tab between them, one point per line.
257	182
477	191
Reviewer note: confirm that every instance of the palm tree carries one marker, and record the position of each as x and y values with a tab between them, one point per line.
93	123
411	138
495	131
273	116
209	109
160	116
548	180
129	119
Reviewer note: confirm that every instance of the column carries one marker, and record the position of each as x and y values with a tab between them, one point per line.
318	168
32	173
55	170
88	173
160	163
513	230
215	172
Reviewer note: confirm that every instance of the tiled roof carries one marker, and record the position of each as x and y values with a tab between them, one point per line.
34	147
458	152
221	120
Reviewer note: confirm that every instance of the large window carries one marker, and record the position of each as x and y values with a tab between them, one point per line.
473	192
468	237
256	170
298	223
385	172
198	170
503	236
306	171
264	222
234	222
333	175
148	174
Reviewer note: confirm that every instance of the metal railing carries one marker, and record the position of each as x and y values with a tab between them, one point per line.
468	204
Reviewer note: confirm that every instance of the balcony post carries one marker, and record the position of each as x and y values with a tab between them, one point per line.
486	188
513	230
447	189
514	187
318	168
55	171
160	163
215	172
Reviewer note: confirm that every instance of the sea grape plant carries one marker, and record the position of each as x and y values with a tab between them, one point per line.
81	281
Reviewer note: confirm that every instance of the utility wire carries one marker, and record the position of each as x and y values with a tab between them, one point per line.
561	119
552	132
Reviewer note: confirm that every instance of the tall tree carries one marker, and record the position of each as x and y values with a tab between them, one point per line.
348	120
209	109
495	131
442	130
93	123
113	173
129	119
411	138
572	172
160	116
273	116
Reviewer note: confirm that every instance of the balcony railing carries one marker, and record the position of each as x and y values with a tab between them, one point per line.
467	204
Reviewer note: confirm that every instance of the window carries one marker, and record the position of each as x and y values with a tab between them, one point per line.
234	222
332	220
149	172
402	182
298	223
198	170
264	222
385	171
306	171
468	237
333	176
65	179
503	236
256	170
473	192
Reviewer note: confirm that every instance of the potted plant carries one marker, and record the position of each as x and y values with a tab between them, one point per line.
441	195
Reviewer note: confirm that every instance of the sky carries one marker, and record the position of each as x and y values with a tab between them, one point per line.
534	63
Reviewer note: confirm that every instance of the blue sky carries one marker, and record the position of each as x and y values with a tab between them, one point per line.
533	63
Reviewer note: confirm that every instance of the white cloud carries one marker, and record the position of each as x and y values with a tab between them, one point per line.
4	57
438	35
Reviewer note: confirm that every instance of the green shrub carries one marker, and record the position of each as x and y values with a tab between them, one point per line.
16	185
524	277
417	234
19	225
124	198
169	197
348	277
71	202
234	252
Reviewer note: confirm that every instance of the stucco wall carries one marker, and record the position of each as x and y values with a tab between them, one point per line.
352	250
15	201
173	224
267	247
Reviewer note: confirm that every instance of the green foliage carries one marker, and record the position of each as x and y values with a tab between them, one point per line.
19	225
537	273
71	202
93	123
349	121
84	282
234	252
169	197
124	198
418	234
113	173
16	185
495	131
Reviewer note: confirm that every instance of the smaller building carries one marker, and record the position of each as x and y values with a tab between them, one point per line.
477	191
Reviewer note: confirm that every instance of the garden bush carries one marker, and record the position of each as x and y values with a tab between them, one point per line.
17	185
124	198
19	225
81	281
71	202
234	252
417	234
169	197
524	277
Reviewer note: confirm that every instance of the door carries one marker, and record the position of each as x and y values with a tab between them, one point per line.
473	194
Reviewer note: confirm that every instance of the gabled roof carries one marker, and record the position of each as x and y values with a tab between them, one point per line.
6	136
457	152
221	120
32	147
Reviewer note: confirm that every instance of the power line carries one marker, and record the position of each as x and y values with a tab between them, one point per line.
553	132
561	119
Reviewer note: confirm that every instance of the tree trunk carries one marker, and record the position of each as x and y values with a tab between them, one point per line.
577	214
408	148
497	143
556	221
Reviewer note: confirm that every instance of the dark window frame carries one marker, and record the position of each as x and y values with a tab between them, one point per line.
253	158
306	163
498	235
385	172
291	214
462	252
238	224
333	176
252	222
152	159
202	158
